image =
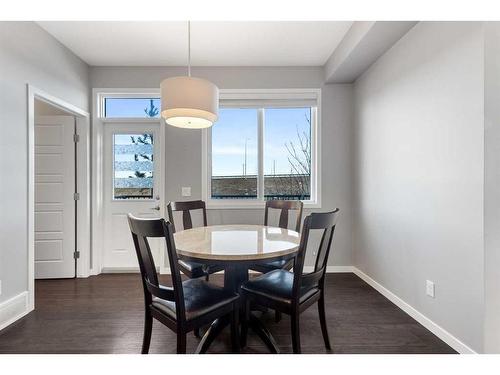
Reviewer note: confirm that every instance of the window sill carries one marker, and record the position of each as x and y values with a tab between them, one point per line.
255	205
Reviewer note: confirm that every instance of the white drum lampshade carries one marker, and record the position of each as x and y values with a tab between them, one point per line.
189	102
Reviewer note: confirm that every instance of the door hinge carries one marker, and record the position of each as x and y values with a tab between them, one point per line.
76	138
76	196
76	254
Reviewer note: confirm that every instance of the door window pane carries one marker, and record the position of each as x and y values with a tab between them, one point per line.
133	166
132	107
287	153
234	154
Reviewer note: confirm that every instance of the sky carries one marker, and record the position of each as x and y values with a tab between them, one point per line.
233	129
124	151
235	126
128	107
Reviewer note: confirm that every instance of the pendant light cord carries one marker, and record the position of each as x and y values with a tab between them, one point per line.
189	48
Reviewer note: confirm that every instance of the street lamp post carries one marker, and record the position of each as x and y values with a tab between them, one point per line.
245	168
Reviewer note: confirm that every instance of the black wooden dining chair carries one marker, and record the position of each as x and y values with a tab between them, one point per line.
293	292
284	207
184	306
188	267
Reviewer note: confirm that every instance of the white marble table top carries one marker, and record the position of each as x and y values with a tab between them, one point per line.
236	242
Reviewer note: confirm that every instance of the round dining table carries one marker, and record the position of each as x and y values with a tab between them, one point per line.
236	248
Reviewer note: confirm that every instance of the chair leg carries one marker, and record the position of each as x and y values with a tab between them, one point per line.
244	323
277	316
322	319
148	327
197	330
196	333
181	343
294	318
235	339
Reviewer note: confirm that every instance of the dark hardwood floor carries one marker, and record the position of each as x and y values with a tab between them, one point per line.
104	314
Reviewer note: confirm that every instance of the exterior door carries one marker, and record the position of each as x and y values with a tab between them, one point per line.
55	208
132	183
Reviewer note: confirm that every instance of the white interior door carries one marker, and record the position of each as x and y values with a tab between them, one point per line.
55	209
132	183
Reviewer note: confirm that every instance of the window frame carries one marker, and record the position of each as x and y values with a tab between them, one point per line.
258	98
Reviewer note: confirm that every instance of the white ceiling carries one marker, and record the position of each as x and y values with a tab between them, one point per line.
280	43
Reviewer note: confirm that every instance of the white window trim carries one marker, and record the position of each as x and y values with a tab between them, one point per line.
263	94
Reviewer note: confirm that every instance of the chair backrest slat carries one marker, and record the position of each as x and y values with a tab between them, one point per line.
284	219
324	249
175	273
142	229
285	207
326	222
186	208
186	220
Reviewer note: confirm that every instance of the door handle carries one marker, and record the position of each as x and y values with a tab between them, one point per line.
157	208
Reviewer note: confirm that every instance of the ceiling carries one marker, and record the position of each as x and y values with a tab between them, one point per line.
131	43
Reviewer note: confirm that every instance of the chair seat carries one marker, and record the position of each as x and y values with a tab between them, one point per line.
273	265
277	285
192	269
200	297
195	269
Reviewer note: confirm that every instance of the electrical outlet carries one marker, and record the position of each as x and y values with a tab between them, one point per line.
186	191
429	288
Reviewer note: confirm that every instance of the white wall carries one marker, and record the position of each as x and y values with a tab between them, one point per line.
418	174
184	146
27	55
491	188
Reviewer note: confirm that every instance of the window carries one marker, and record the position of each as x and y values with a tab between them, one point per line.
123	107
263	147
234	155
287	153
133	166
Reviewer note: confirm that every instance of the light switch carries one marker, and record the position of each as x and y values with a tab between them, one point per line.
186	191
429	288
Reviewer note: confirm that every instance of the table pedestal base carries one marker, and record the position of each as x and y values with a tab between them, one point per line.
254	324
234	276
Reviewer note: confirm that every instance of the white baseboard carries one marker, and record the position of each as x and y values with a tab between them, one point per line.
122	269
13	309
332	269
440	332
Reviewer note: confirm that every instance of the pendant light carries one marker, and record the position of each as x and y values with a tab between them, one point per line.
189	102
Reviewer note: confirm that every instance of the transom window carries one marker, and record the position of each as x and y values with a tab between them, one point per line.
263	147
133	105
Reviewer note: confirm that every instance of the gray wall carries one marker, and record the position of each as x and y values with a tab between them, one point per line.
418	174
416	152
27	55
491	189
183	147
45	109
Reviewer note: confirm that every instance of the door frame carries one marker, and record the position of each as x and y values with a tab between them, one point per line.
98	188
83	184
